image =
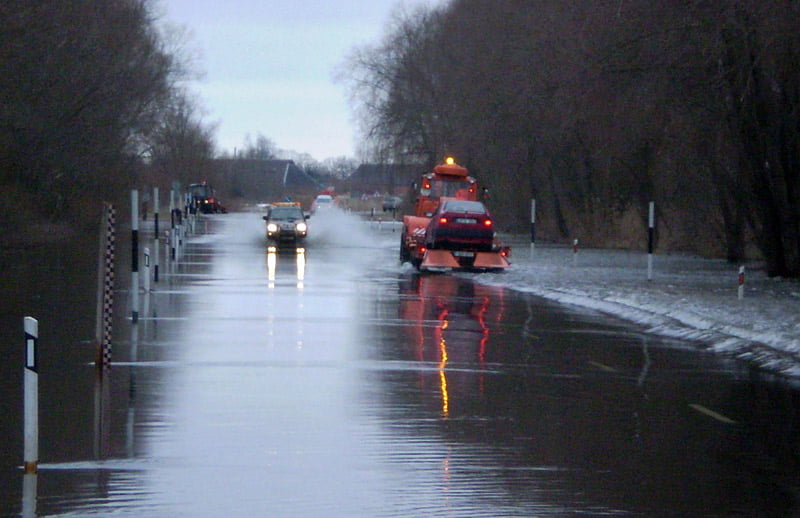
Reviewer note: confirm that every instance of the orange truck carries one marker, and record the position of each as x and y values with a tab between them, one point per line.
451	229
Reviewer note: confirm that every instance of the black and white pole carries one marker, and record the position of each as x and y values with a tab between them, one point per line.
741	282
31	396
651	220
146	270
135	256
155	234
172	225
533	225
107	314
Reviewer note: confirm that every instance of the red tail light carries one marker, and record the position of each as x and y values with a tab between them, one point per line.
443	221
487	223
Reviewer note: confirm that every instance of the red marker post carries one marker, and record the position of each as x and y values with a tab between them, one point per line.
741	282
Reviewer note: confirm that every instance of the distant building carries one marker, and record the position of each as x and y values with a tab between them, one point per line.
257	179
396	179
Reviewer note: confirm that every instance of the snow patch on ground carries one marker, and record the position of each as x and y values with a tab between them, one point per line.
688	298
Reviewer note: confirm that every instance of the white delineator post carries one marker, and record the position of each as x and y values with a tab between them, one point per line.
31	454
741	282
172	225
135	256
146	270
651	219
155	234
533	225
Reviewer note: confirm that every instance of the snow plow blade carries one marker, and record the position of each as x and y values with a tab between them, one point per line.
445	260
490	260
438	259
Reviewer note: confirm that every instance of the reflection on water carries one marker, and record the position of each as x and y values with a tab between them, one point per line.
343	386
274	254
574	410
440	310
29	494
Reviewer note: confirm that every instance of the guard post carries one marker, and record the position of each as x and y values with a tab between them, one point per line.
741	283
533	225
155	234
146	270
135	256
651	220
31	433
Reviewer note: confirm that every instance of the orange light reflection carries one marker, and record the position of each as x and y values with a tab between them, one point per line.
443	362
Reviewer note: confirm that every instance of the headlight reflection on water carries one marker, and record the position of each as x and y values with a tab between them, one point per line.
301	267
272	265
272	261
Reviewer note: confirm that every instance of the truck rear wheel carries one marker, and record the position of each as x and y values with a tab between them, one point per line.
405	255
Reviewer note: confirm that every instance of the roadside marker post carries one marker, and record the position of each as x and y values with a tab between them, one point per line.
533	225
146	270
172	225
31	426
155	234
575	252
651	218
741	283
105	286
135	255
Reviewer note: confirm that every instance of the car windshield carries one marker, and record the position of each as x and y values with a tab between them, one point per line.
324	200
200	190
474	207
286	213
445	189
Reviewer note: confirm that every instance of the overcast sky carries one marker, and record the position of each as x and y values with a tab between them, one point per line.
268	66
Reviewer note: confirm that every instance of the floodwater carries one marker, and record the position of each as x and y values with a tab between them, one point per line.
334	382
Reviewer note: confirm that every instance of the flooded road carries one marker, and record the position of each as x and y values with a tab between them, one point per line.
334	382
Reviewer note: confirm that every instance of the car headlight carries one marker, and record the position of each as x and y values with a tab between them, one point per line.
272	227
302	227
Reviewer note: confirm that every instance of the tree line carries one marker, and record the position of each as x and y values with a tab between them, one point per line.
91	101
596	108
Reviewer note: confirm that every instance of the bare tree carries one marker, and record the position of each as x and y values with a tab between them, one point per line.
82	84
182	144
596	108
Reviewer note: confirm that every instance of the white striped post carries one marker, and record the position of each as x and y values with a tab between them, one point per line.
31	396
651	219
135	256
172	255
146	270
533	225
155	234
